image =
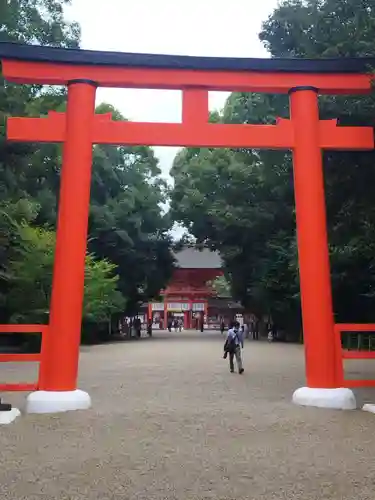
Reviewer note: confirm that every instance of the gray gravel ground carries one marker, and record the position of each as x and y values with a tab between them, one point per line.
170	422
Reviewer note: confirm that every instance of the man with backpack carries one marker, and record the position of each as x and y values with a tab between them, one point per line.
232	346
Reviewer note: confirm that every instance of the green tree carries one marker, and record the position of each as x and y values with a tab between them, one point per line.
24	168
127	223
27	170
31	276
221	286
230	205
102	297
30	273
37	21
241	202
320	28
332	28
11	215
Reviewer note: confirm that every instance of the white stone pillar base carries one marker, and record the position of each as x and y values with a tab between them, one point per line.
57	401
370	407
7	417
337	399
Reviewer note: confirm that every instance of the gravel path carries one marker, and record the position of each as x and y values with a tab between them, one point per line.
170	422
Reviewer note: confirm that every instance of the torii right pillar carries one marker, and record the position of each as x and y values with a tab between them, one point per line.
315	278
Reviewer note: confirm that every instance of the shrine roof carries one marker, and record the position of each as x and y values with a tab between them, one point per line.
37	53
192	258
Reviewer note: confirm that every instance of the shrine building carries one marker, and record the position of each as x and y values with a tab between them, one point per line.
188	293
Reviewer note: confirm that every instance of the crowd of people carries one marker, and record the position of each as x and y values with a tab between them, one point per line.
176	323
131	326
251	329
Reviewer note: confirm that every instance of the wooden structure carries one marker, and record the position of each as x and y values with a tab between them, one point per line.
79	128
188	292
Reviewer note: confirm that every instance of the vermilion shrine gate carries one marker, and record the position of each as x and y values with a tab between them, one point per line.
79	128
188	292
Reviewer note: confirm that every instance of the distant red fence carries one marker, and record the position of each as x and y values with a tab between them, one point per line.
343	353
22	357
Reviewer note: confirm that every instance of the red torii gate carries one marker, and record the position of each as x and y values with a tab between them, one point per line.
79	128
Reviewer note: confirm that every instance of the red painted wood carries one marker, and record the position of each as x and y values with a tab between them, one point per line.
355	327
191	283
313	256
194	106
191	133
18	387
59	366
359	383
52	129
306	136
19	358
332	136
245	81
357	354
345	354
23	328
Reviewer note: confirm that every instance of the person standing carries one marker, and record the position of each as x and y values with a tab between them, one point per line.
245	330
175	325
233	345
222	326
149	327
180	324
256	329
137	324
251	327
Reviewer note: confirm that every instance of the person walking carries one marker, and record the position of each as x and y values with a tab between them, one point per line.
233	345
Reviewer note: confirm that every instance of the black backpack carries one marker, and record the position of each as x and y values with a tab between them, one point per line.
230	344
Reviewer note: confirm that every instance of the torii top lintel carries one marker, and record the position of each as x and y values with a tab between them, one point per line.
56	66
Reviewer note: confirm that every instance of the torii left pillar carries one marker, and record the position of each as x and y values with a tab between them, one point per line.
59	368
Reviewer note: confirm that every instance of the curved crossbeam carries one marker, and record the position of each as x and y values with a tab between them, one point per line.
57	66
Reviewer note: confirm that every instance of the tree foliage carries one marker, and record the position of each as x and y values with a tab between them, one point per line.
221	286
37	21
25	169
129	256
241	202
127	223
102	297
30	274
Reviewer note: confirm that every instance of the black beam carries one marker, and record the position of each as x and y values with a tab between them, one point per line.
37	53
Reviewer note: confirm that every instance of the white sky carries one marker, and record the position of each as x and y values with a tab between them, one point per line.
184	27
216	28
